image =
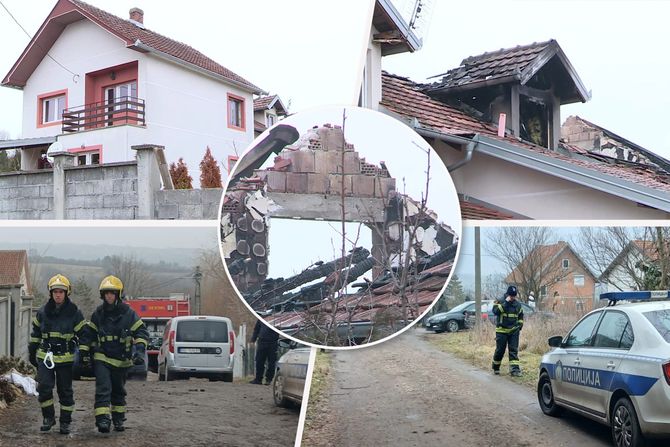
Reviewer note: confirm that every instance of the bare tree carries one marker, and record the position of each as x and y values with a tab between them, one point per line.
522	251
135	275
493	286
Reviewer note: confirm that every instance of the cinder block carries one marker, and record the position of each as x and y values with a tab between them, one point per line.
124	185
112	201
9	180
211	196
352	163
384	185
28	191
296	182
335	181
128	213
331	138
7	205
33	179
83	174
276	181
190	212
363	185
317	183
327	162
210	211
301	161
31	204
86	188
167	211
46	191
130	200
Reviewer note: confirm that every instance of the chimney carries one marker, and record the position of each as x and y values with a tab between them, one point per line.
137	15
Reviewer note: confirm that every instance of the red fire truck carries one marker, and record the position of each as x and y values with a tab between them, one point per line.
156	312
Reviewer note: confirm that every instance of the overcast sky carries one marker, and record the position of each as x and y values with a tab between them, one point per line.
618	48
309	52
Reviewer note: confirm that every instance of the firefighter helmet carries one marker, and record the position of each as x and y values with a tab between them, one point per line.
111	284
59	282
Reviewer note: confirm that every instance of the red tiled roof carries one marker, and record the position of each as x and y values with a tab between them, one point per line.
404	97
476	211
504	63
12	264
263	102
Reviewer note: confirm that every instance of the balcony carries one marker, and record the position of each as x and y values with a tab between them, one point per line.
123	110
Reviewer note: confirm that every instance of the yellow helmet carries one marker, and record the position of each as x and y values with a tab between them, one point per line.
60	282
111	284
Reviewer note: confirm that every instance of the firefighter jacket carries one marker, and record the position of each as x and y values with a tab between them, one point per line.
114	332
59	330
264	335
509	316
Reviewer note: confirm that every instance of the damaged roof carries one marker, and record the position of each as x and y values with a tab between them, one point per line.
136	37
518	64
648	185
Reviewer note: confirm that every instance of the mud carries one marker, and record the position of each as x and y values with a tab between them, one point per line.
192	412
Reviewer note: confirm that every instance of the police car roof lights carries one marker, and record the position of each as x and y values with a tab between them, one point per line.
637	295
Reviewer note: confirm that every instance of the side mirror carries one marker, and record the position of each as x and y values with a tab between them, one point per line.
555	341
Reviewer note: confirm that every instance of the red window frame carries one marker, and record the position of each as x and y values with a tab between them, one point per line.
40	107
242	102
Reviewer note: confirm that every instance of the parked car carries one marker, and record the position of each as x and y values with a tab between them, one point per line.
613	367
452	320
288	384
197	346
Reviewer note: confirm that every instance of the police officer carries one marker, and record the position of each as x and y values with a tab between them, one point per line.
267	342
509	321
115	329
58	326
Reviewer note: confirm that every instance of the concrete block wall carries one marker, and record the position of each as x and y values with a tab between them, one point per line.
26	195
101	192
188	204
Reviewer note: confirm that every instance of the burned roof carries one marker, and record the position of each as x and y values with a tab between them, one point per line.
517	65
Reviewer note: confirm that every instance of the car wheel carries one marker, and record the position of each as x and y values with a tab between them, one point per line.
452	326
625	427
278	391
545	396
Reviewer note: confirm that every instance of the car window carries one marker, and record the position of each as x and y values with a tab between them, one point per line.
581	335
461	307
202	331
614	331
660	319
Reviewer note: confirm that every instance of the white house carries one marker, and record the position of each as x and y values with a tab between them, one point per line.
118	84
267	111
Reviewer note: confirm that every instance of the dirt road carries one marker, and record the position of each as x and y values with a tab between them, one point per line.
406	392
192	412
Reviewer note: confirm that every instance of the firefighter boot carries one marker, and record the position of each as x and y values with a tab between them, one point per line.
117	420
103	423
47	423
65	421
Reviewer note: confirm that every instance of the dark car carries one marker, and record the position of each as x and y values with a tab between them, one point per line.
453	320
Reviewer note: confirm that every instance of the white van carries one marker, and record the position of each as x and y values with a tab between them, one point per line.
197	346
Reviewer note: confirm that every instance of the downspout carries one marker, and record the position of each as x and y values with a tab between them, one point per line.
471	144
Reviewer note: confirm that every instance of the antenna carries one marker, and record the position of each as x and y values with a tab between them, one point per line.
417	13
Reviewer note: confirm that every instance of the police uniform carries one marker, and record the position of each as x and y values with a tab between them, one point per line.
115	329
267	342
509	321
56	330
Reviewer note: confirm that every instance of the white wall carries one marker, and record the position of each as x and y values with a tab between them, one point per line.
372	76
535	194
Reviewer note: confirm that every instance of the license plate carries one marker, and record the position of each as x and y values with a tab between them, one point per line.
189	350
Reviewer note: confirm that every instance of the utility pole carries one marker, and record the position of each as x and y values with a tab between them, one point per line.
478	279
197	276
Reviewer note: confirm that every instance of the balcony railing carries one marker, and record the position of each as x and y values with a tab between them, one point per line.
123	110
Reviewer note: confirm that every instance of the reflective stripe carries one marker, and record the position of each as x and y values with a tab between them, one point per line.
502	330
102	410
63	358
47	403
81	324
93	326
36	322
67	408
114	362
497	362
118	409
66	337
137	324
35	340
83	348
141	340
510	315
514	362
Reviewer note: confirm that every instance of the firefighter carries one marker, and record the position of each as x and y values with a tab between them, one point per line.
509	321
267	342
57	328
116	330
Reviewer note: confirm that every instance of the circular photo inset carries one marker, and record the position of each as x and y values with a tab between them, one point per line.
340	226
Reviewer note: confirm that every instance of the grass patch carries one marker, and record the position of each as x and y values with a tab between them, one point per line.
477	345
321	378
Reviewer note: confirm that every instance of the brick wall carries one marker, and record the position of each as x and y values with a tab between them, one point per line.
28	195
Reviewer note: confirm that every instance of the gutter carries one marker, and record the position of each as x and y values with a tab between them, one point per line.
471	144
144	47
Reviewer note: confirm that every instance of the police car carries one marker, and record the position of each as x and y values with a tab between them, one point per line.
614	367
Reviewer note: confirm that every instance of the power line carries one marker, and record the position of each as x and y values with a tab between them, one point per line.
74	75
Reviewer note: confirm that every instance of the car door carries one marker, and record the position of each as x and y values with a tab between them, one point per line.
613	338
569	357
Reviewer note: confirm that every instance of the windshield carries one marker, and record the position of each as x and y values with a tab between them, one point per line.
461	306
202	331
660	319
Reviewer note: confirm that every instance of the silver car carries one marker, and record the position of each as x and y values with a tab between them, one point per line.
614	367
288	384
197	346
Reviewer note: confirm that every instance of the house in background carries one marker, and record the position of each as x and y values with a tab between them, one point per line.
119	84
495	122
626	271
15	303
267	111
565	283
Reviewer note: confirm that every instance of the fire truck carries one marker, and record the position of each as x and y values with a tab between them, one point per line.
156	312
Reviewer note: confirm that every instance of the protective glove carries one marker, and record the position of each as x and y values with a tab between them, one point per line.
138	355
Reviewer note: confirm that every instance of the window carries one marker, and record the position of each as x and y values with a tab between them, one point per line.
232	161
50	107
88	155
579	280
121	94
614	332
581	335
566	264
579	306
543	291
235	112
660	319
270	120
202	331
